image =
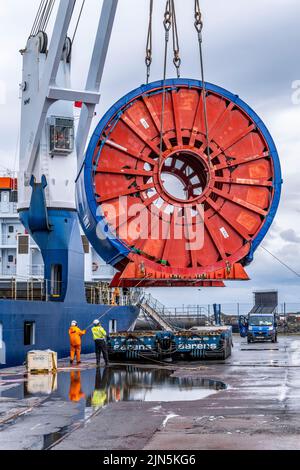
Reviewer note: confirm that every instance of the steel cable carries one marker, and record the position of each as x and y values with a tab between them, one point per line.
149	59
168	17
43	14
49	13
176	48
280	261
78	21
37	18
199	29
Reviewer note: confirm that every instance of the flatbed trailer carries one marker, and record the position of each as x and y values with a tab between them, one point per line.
198	343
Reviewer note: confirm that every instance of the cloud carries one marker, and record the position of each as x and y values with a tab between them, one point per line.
290	236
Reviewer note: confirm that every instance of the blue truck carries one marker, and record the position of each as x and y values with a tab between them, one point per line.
259	327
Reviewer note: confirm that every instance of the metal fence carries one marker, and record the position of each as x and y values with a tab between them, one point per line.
231	309
9	271
33	289
288	315
102	294
36	270
36	289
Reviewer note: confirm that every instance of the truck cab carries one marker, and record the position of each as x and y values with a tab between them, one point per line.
259	327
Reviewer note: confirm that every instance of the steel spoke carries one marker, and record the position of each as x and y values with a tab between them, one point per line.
140	134
240	202
125	171
176	115
137	156
221	119
235	225
234	141
127	192
156	120
216	237
244	181
241	161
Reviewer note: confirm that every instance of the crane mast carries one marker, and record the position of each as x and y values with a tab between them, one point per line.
50	152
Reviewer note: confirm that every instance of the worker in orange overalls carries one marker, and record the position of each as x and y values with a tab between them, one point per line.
75	341
76	394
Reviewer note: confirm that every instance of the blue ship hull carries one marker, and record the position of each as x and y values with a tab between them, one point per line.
57	234
52	323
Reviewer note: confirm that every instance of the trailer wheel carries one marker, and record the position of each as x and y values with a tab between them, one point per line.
229	351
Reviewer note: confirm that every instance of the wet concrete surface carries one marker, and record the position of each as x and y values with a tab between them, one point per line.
250	401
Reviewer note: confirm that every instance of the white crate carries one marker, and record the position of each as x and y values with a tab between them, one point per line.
41	384
41	361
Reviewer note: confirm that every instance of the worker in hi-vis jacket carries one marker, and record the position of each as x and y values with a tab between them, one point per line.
100	335
100	396
75	334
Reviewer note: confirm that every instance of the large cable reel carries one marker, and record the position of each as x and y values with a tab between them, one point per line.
229	192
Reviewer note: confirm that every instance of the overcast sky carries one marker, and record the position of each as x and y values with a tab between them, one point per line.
251	48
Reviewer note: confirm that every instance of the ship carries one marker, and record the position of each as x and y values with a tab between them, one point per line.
31	317
36	311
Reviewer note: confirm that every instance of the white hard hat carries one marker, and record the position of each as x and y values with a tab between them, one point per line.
96	322
74	323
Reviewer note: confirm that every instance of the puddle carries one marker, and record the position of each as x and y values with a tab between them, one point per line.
103	386
90	390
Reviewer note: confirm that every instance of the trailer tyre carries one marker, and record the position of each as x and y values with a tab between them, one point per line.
229	350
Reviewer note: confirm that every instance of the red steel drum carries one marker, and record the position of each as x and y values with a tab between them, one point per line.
221	197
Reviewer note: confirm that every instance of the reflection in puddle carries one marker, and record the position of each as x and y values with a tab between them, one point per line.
131	384
96	388
87	391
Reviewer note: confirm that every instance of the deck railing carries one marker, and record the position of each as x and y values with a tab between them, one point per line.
100	293
37	289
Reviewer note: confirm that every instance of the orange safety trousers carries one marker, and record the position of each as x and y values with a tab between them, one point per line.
75	350
75	340
76	394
